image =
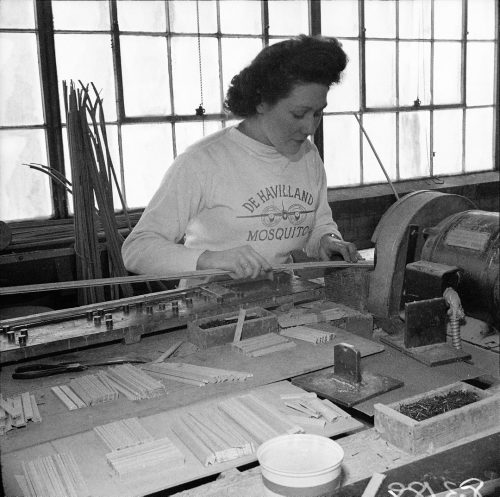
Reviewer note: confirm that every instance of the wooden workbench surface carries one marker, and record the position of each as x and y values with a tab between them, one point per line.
59	423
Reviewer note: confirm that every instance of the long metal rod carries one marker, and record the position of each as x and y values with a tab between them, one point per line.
45	287
377	157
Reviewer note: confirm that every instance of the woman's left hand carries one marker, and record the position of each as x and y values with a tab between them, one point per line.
329	246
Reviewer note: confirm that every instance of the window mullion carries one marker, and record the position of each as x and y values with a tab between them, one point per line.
315	29
50	96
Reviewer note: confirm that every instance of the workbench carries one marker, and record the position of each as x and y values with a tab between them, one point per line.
365	451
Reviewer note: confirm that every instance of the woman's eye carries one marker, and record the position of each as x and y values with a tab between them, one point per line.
298	116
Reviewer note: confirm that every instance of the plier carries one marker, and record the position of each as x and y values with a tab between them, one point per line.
45	369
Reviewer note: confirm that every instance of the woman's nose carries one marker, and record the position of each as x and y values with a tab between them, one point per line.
309	125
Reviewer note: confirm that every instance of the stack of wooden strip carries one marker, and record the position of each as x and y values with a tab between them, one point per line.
194	375
261	420
212	436
57	475
15	412
308	334
308	410
124	433
134	383
86	391
145	455
263	344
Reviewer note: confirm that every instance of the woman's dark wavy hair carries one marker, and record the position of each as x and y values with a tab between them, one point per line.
272	75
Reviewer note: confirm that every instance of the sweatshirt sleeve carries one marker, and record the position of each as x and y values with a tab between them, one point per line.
323	223
153	245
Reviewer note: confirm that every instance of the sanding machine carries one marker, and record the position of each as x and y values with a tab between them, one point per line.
428	242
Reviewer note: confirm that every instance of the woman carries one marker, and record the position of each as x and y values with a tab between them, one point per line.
246	196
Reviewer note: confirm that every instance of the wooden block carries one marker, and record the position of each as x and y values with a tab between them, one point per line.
265	322
417	437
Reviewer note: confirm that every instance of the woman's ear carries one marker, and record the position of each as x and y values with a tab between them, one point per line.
262	107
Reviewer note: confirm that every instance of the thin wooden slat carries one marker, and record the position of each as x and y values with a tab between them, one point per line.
64	398
45	287
239	325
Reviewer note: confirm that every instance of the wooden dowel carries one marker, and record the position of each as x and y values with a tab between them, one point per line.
45	287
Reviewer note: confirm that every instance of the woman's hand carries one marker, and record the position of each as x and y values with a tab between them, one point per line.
242	262
330	245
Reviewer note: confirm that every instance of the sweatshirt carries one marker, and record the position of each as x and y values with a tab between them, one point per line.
228	190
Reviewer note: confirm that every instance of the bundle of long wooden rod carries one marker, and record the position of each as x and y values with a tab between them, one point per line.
134	383
258	418
15	412
194	375
308	334
159	453
212	436
86	391
92	176
125	433
57	475
263	344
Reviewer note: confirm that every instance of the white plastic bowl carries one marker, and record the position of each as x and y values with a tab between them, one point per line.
300	465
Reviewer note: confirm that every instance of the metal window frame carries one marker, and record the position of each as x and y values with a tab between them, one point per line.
44	30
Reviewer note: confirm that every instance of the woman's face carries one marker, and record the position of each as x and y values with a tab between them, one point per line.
288	123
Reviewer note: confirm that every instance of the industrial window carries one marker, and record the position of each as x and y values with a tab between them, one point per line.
421	80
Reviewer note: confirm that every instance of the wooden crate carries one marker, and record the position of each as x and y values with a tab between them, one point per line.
264	322
417	437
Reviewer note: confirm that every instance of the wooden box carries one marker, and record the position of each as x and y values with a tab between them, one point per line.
417	437
261	322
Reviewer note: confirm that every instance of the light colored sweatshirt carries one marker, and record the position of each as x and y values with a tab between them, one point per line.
229	190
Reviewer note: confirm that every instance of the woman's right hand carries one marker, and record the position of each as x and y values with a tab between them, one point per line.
242	262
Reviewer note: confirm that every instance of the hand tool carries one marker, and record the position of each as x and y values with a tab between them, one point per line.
48	369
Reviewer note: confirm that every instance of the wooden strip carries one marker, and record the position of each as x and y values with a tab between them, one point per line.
36	413
45	287
9	407
27	409
239	325
64	398
274	348
169	351
373	485
18	406
72	396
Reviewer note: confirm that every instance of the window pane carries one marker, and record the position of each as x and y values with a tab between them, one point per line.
20	95
147	154
480	73
147	15
183	16
414	153
240	16
479	139
237	53
414	72
448	19
339	18
341	148
447	72
77	60
188	133
146	88
380	18
447	143
481	19
81	14
415	19
345	95
288	17
24	192
380	74
186	75
17	14
112	135
381	128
